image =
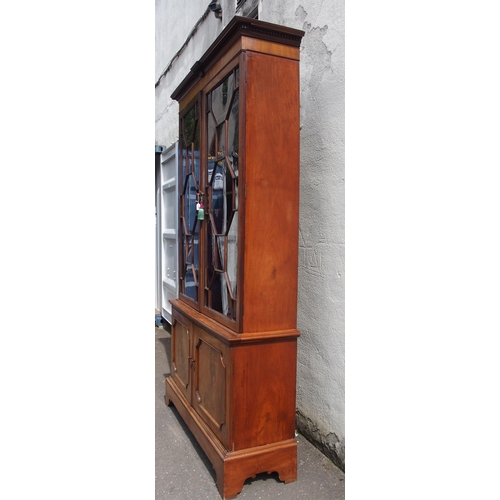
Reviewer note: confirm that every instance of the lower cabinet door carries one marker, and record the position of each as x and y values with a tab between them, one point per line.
210	396
181	359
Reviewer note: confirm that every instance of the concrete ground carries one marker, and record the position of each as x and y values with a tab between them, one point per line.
183	472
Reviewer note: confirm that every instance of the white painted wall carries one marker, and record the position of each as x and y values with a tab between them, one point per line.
174	22
321	305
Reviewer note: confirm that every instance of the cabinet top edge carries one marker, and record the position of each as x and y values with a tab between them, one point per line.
224	334
237	27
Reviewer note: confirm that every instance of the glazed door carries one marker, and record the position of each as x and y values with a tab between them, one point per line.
223	195
189	181
211	382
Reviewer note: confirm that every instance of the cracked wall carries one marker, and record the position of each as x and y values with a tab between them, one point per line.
174	22
321	301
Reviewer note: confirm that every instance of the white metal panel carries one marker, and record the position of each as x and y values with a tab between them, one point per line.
169	229
158	279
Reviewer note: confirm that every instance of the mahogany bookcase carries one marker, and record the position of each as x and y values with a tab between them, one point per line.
234	336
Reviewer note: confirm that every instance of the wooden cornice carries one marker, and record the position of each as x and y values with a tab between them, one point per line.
237	28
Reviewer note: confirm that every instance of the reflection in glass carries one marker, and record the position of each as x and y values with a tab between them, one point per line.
189	283
221	98
220	241
217	199
222	196
190	170
211	129
232	254
233	134
190	204
221	143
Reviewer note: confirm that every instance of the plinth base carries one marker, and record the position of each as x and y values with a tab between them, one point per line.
233	468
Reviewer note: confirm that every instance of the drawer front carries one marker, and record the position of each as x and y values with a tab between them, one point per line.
210	396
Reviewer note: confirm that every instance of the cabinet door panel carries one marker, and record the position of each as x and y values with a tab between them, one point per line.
211	378
181	359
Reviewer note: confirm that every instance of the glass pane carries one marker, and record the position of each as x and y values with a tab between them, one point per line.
232	254
211	164
190	288
188	249
190	204
190	170
184	164
195	167
228	198
224	295
210	246
220	242
222	197
211	128
213	260
219	298
233	134
215	294
195	258
190	129
217	204
221	98
221	140
235	186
